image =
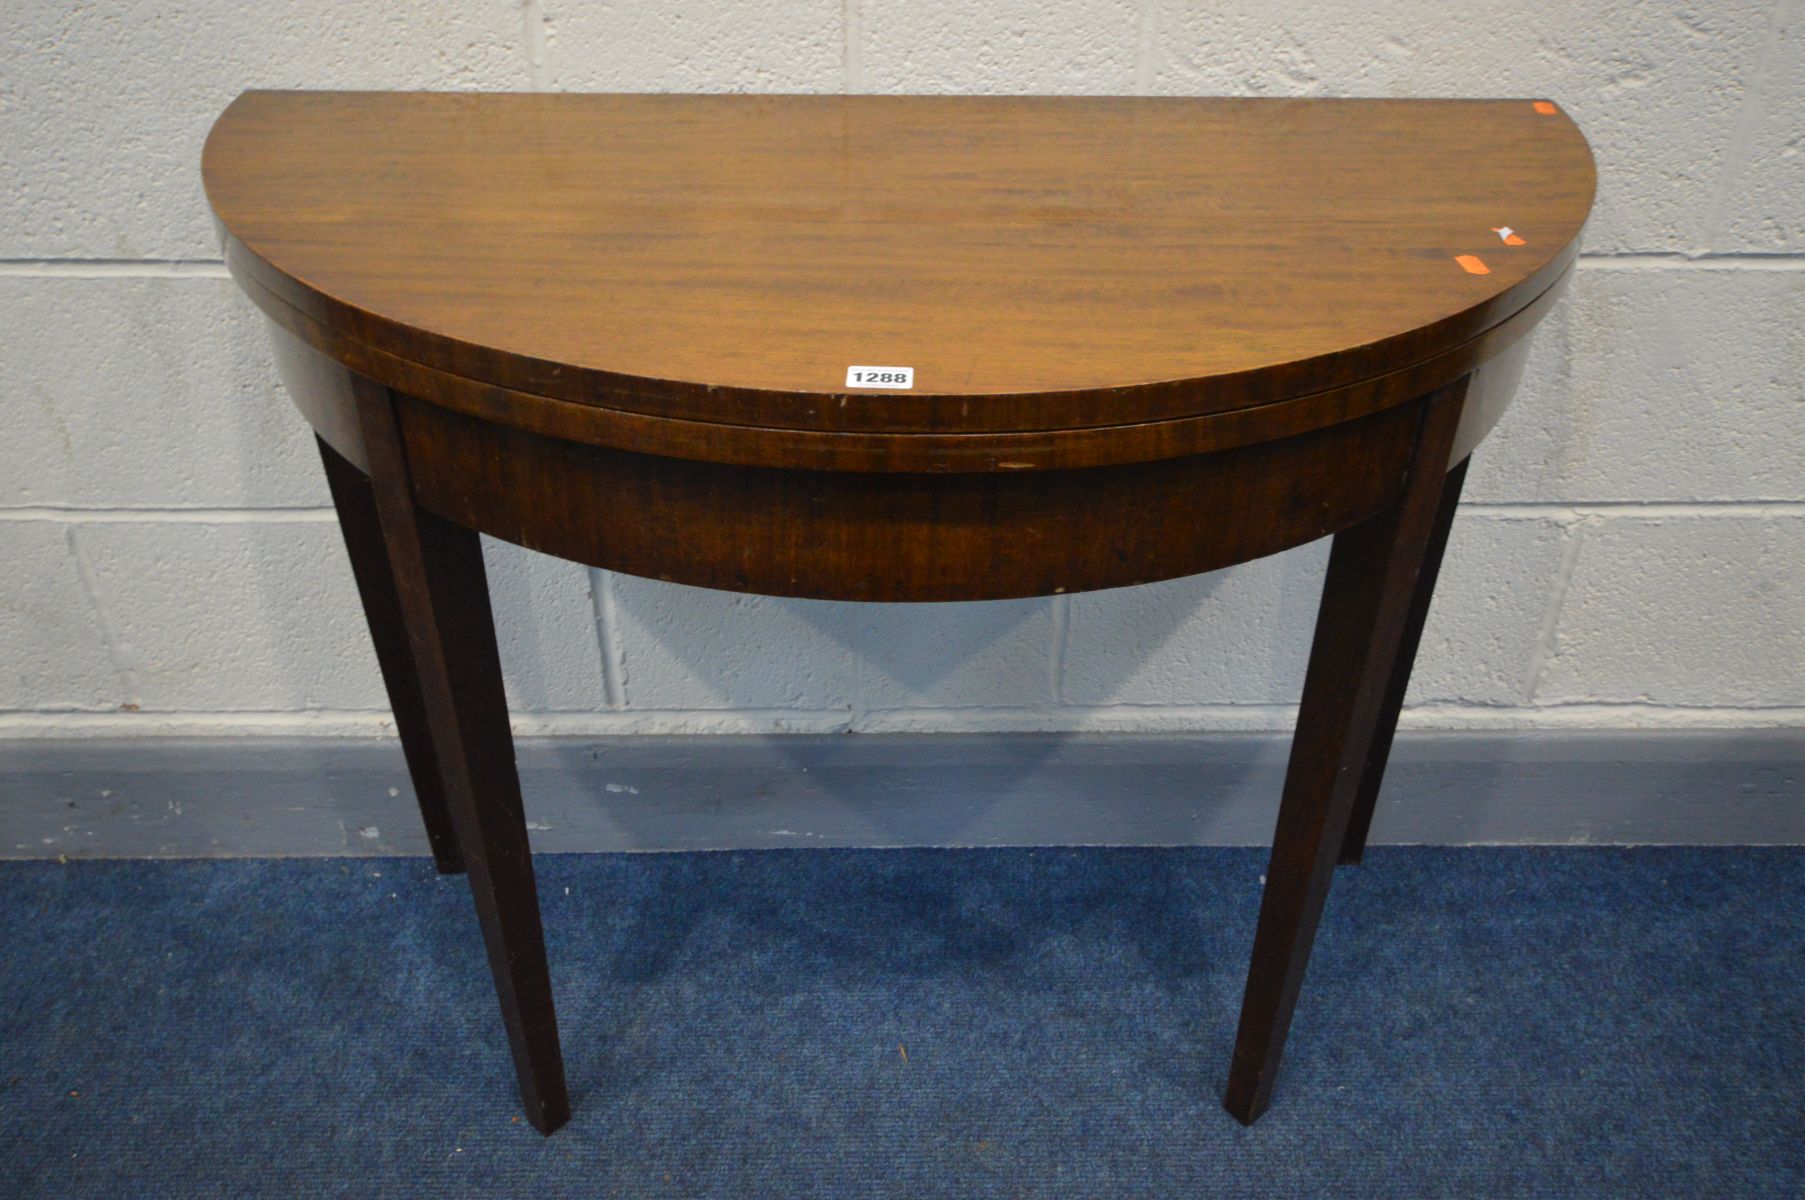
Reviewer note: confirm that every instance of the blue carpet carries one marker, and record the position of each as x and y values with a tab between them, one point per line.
1483	1022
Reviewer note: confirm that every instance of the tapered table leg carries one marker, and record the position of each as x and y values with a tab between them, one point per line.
357	520
1366	601
1360	821
444	601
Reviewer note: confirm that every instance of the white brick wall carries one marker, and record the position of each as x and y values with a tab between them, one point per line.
1633	551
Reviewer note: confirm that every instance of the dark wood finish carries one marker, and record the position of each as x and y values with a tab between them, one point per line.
879	536
357	519
1366	798
444	597
1150	337
1366	598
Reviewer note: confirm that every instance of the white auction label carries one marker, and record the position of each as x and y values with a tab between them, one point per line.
880	377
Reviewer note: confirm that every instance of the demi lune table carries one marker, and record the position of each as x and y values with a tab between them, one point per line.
894	349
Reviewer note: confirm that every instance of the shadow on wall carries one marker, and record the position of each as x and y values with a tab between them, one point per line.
1233	637
1246	628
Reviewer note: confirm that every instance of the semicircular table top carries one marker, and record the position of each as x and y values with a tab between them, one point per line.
1038	262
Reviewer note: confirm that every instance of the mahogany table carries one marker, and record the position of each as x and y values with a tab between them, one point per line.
894	348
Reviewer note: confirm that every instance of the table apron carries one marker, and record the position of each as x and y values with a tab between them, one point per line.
902	537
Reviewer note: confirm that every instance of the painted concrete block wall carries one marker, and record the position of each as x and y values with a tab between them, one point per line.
1632	553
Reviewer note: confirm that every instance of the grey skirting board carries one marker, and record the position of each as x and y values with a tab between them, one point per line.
256	797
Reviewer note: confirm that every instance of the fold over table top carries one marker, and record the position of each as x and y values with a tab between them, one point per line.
1039	263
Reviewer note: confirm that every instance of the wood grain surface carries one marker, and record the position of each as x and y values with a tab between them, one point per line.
1041	263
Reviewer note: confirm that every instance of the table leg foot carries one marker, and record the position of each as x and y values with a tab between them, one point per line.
1244	1105
444	603
1366	602
1360	822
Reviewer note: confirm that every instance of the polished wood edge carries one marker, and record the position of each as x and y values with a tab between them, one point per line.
1493	387
929	453
832	412
326	393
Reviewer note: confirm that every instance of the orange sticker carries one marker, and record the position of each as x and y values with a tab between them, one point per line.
1546	108
1472	265
1507	235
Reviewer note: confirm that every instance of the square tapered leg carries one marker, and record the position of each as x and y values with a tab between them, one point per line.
355	500
443	595
1368	595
